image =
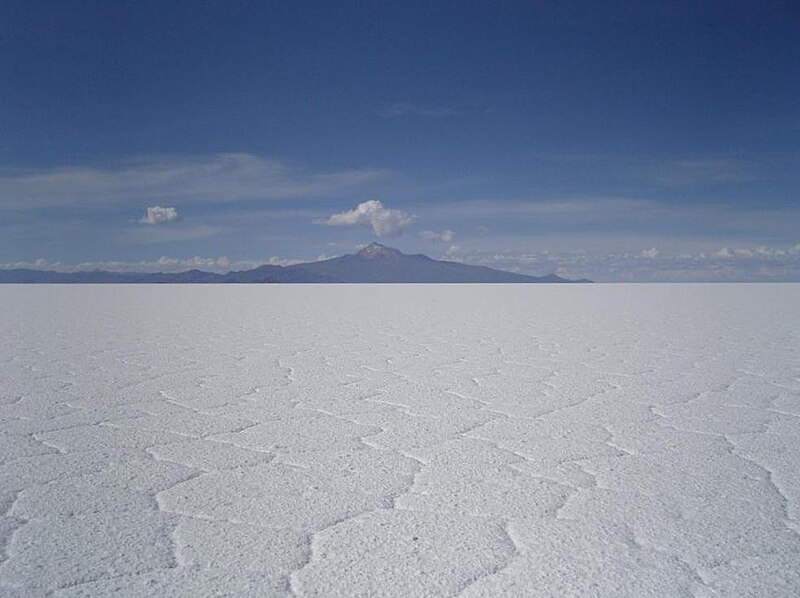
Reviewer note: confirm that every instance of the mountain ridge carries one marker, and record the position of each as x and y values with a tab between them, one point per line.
375	263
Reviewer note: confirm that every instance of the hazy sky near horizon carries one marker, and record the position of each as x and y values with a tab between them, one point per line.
614	140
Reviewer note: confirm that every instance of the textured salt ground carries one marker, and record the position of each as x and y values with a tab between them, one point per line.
596	440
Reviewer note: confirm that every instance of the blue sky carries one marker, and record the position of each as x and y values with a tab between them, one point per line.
617	140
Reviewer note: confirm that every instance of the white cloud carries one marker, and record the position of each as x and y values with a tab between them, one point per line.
445	236
160	215
178	180
384	222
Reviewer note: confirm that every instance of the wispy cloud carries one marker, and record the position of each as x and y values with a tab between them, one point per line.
669	172
401	109
443	236
592	216
384	222
725	264
697	171
153	235
176	180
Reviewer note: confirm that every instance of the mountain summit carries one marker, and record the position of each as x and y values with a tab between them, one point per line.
375	263
378	251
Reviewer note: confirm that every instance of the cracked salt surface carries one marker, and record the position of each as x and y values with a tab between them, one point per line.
377	440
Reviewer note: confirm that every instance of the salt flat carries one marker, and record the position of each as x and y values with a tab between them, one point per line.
531	440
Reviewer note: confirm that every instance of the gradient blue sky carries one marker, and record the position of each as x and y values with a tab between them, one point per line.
615	140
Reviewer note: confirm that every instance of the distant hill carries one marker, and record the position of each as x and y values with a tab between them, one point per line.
375	263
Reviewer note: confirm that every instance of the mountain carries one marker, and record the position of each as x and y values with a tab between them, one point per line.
378	263
375	263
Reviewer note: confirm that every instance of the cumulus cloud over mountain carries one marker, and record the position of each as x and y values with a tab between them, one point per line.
384	222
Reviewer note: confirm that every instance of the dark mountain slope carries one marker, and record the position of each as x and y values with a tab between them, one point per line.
378	263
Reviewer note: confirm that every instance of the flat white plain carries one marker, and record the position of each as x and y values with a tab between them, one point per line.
627	440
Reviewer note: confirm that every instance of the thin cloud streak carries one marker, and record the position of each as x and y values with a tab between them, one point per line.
670	172
153	235
589	216
401	109
211	178
444	236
